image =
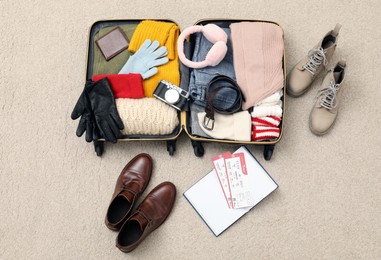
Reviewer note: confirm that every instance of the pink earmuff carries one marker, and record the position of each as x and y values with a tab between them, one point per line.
212	33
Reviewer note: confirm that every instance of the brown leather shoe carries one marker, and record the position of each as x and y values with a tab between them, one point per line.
132	182
151	213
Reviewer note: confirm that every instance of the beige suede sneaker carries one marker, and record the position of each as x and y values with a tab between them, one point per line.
325	110
300	78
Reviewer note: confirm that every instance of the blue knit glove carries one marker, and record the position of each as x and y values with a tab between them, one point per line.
145	60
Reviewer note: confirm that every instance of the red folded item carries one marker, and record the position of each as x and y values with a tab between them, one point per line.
264	133
124	85
266	121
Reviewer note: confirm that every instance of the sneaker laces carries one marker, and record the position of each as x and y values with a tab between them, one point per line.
317	56
328	95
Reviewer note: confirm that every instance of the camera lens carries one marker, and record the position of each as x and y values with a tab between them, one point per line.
172	96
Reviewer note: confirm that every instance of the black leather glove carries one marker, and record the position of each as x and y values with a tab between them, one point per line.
86	123
103	106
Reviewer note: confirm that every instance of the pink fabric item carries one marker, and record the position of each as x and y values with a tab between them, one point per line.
212	33
257	54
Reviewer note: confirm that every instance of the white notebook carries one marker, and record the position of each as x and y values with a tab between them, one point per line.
207	197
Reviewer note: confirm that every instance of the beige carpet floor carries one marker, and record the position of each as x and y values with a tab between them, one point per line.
55	190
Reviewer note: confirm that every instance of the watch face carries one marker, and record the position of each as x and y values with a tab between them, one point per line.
171	96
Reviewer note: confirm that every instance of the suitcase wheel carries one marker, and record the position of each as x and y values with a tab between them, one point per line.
198	149
171	147
268	152
171	150
98	146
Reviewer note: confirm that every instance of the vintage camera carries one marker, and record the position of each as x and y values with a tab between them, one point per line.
171	94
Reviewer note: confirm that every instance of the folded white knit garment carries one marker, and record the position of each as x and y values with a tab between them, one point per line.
271	100
261	111
232	127
146	116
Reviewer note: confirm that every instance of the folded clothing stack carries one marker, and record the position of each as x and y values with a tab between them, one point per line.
266	117
264	132
146	116
272	121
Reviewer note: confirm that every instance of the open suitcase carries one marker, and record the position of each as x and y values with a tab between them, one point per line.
183	116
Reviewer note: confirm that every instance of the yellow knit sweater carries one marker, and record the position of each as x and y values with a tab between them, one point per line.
166	34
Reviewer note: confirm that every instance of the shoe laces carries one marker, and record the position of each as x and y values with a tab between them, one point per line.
317	56
328	95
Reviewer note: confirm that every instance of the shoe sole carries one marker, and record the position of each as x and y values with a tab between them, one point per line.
320	133
133	206
292	94
173	203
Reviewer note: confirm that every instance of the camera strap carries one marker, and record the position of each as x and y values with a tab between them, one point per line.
223	86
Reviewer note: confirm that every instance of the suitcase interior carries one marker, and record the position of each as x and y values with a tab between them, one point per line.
224	23
95	28
184	116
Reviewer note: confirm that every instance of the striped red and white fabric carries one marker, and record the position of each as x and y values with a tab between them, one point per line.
260	133
272	121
